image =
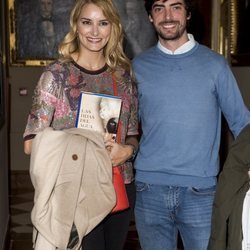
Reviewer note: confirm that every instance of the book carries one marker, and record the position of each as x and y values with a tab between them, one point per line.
98	112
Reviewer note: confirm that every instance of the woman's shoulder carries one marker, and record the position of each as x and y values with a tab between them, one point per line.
122	74
125	80
58	66
54	74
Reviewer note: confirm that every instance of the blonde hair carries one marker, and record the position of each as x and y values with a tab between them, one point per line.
113	51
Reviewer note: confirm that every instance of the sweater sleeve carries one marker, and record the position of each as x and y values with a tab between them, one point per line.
231	101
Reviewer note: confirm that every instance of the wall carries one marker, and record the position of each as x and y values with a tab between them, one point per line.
4	201
27	77
21	78
4	207
242	75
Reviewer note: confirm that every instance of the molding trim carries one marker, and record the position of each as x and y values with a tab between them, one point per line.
6	243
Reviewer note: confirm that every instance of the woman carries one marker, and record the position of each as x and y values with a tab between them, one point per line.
92	59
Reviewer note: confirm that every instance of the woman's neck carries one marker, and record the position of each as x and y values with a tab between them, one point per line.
90	61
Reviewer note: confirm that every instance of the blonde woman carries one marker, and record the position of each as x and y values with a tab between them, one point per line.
92	59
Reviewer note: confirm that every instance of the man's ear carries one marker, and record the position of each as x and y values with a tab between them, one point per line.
189	16
150	18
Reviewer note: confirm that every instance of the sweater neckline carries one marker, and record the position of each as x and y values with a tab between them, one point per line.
90	72
178	55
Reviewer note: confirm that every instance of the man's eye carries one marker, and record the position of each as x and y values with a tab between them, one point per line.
177	7
157	9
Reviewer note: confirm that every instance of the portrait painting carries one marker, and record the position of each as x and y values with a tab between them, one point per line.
37	27
139	32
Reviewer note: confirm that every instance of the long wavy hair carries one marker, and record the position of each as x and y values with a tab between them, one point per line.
113	51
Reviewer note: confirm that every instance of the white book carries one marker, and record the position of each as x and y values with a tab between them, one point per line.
98	112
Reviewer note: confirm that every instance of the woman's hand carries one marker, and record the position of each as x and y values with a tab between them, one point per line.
118	153
27	146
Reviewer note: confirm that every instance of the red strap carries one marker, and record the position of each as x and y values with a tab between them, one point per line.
115	89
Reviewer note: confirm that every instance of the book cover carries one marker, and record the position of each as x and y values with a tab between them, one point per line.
98	112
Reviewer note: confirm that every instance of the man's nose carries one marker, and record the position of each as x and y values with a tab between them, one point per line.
168	14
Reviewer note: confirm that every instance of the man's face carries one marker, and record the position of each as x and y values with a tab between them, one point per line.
46	8
169	18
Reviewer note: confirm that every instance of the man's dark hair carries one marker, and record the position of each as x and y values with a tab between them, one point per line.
149	3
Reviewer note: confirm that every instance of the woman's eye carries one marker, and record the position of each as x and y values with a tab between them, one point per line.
104	23
86	22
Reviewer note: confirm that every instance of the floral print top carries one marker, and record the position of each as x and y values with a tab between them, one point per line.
55	100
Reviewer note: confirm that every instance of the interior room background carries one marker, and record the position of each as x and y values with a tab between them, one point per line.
222	25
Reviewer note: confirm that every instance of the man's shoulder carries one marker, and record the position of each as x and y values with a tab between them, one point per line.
146	54
208	51
210	57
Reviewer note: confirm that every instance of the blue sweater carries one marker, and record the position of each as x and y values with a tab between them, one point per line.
180	102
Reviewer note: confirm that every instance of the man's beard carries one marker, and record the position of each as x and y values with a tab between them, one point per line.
171	37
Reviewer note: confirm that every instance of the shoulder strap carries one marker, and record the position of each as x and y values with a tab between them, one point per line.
115	89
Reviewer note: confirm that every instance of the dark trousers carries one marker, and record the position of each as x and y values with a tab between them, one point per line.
111	233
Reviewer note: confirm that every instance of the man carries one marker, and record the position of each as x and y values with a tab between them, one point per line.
183	87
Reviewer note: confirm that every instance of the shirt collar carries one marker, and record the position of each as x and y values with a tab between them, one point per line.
182	49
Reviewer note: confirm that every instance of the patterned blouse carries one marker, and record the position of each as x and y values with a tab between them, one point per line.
55	100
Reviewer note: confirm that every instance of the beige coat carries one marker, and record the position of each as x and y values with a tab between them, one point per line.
72	176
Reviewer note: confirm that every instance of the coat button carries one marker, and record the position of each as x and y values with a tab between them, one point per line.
74	157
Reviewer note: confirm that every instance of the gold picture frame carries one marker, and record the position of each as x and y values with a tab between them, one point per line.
2	67
33	36
239	32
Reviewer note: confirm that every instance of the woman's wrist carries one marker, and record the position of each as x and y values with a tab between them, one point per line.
133	152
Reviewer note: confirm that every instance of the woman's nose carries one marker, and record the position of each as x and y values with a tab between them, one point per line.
95	30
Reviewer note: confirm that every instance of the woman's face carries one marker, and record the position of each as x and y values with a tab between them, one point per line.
93	29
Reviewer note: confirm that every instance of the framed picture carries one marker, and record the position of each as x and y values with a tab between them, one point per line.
2	74
1	90
2	106
35	29
37	26
240	32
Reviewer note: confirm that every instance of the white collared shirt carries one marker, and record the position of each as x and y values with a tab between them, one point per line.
182	49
